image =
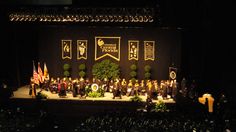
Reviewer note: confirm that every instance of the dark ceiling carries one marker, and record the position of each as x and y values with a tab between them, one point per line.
186	13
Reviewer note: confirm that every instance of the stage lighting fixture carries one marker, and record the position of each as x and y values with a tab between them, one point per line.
69	14
150	18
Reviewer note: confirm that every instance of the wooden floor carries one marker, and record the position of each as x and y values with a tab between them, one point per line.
23	93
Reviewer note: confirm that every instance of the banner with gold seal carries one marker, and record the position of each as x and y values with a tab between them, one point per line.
82	49
172	73
107	46
133	49
149	50
66	49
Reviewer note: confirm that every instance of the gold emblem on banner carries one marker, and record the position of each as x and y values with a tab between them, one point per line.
82	49
107	46
172	73
66	49
133	49
149	50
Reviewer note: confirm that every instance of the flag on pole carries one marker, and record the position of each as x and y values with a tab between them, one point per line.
40	73
35	75
45	70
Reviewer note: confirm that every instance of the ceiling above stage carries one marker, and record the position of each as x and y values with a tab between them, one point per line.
81	2
167	13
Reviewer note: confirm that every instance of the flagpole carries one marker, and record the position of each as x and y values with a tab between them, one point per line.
33	67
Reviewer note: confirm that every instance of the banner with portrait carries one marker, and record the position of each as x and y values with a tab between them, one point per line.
107	46
149	50
133	49
66	49
82	49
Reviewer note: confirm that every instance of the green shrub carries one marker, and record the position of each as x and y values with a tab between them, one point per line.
133	80
66	67
133	67
82	67
136	98
106	69
66	73
88	89
147	68
94	94
82	74
133	74
147	75
161	107
41	95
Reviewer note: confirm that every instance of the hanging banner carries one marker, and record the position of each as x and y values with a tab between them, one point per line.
82	49
172	73
133	49
149	50
107	46
66	49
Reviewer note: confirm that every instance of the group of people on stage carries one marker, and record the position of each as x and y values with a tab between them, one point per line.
119	87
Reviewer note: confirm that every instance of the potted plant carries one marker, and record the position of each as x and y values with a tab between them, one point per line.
66	68
106	69
133	72
82	69
147	70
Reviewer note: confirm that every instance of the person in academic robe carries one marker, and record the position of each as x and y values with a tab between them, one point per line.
45	84
75	87
69	84
155	89
81	89
168	87
105	84
149	89
163	89
111	86
135	88
53	86
147	84
123	86
62	88
174	89
129	88
116	89
142	88
87	86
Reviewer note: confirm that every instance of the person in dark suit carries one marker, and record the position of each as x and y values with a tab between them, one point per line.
33	86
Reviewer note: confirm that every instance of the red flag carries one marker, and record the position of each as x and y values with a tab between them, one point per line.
40	73
35	75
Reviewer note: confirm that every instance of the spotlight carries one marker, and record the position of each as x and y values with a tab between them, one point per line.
140	18
145	19
120	18
111	18
126	19
150	19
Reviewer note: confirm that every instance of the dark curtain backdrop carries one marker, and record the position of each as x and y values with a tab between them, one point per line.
167	46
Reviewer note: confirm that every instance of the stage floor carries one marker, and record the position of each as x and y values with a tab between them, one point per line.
23	93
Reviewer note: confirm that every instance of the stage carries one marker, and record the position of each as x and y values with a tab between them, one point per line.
75	106
23	93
